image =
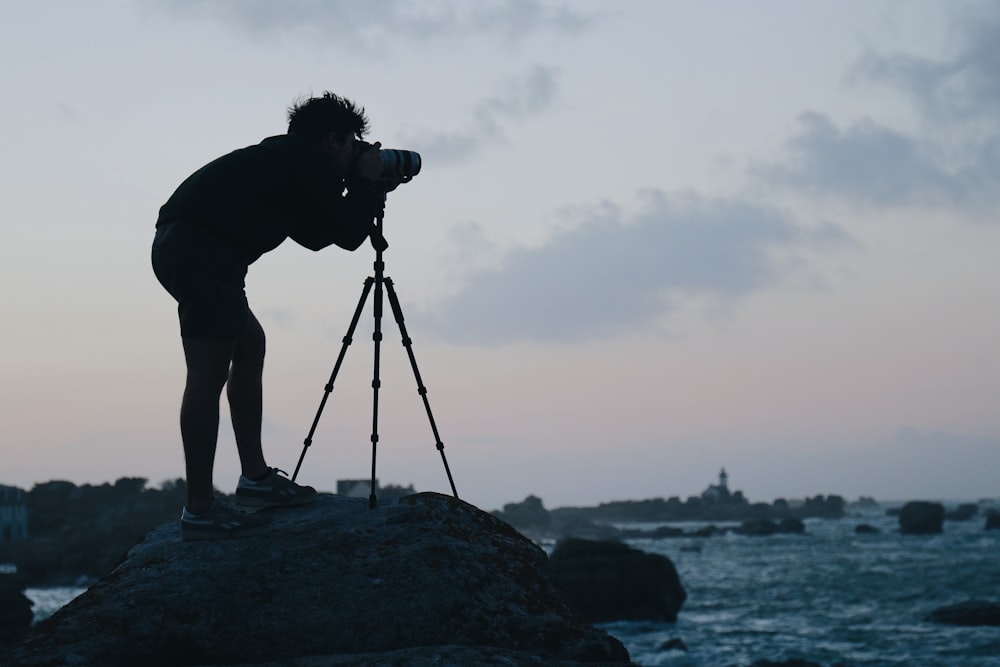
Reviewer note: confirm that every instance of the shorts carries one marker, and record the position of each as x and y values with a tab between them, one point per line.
206	278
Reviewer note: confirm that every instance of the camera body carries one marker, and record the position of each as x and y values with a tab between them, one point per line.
396	162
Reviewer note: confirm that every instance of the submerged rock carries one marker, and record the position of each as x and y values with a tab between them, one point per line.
610	581
411	582
758	527
970	612
791	525
865	528
765	527
674	644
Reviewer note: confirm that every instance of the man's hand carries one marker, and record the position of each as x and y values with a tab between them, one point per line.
390	182
369	163
378	241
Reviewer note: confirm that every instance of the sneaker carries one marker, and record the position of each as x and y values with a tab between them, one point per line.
275	490
219	522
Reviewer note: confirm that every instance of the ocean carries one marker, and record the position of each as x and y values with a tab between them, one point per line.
830	596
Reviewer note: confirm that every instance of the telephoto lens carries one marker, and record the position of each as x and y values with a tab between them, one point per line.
407	163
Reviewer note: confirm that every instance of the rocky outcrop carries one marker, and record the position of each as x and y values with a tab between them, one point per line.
531	518
610	581
422	580
970	612
764	527
530	513
992	520
594	523
921	518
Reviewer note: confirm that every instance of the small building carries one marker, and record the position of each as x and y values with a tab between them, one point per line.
13	514
356	488
717	493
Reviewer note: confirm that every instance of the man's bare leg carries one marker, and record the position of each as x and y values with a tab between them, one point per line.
208	361
245	394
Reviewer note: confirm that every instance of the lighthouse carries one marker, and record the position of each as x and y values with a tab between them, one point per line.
723	480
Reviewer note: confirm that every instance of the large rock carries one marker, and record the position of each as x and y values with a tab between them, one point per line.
992	520
610	581
425	580
921	518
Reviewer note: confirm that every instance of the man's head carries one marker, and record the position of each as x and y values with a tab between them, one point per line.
334	123
319	117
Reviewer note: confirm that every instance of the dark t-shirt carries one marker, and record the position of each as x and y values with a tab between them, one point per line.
255	197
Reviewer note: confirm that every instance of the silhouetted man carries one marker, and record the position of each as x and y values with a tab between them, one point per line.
317	185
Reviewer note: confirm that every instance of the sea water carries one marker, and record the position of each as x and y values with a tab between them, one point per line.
828	595
47	601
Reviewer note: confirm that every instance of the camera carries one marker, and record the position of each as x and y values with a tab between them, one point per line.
396	161
406	162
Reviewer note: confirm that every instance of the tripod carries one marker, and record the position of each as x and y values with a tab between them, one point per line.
379	280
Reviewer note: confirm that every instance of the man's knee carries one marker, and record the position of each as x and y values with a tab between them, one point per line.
208	362
251	346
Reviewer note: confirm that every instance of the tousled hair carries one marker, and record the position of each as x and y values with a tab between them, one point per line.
316	117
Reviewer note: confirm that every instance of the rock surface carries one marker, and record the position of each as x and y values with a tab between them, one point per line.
425	580
15	609
919	517
610	581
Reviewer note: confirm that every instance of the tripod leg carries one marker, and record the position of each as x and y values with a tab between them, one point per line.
376	380
421	389
348	338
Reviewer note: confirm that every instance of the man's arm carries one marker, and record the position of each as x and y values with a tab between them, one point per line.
345	220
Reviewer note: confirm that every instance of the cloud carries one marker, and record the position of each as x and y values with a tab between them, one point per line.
872	164
613	274
521	97
375	25
951	161
963	87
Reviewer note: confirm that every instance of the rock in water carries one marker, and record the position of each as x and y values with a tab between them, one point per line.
970	612
921	518
611	581
428	574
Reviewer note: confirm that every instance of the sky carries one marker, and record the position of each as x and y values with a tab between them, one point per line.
650	239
